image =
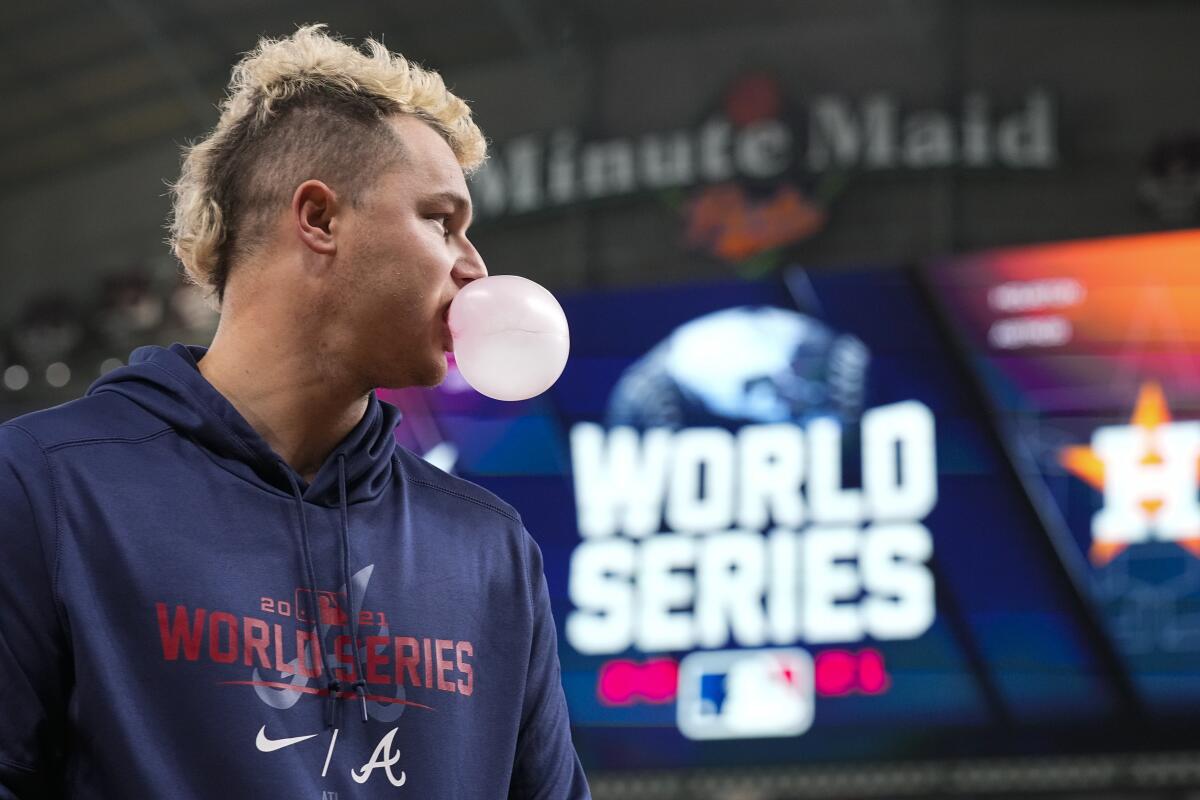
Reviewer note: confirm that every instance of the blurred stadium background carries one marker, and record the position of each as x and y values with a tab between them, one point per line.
875	469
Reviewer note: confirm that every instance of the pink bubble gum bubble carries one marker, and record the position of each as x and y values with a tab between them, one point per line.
510	337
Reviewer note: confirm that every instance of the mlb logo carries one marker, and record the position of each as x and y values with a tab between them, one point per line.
742	694
327	606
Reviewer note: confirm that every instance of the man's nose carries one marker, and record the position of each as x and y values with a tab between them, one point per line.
469	267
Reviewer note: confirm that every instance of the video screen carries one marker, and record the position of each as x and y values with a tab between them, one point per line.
780	526
1088	353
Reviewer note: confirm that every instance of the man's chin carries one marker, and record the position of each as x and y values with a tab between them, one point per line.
426	375
436	377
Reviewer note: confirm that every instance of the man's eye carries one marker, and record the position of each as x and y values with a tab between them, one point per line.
443	223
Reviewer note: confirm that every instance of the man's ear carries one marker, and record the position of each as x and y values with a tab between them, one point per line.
314	205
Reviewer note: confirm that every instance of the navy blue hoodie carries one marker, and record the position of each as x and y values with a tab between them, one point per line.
160	573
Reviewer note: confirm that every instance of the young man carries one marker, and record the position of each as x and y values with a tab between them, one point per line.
219	575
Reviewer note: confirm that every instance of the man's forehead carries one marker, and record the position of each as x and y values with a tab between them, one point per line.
421	141
427	155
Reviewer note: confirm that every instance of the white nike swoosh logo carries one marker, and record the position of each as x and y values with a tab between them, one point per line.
268	745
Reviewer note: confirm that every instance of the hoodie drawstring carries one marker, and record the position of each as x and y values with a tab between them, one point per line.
333	686
360	685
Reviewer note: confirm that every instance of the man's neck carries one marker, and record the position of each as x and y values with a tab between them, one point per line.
300	409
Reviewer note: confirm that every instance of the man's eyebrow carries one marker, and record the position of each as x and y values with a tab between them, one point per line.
460	202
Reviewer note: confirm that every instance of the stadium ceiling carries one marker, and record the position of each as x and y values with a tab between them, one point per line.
85	81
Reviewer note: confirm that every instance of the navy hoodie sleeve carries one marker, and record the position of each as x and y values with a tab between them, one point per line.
34	664
547	767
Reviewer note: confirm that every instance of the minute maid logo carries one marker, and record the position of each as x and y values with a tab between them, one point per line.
1148	471
750	138
715	511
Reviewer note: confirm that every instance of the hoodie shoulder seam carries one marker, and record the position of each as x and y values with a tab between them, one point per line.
464	496
18	766
58	526
102	439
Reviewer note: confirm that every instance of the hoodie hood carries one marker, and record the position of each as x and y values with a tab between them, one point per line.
167	382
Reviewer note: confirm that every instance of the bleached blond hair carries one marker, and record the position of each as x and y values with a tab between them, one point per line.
306	106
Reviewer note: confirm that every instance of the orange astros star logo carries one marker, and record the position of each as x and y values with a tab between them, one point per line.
1149	471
